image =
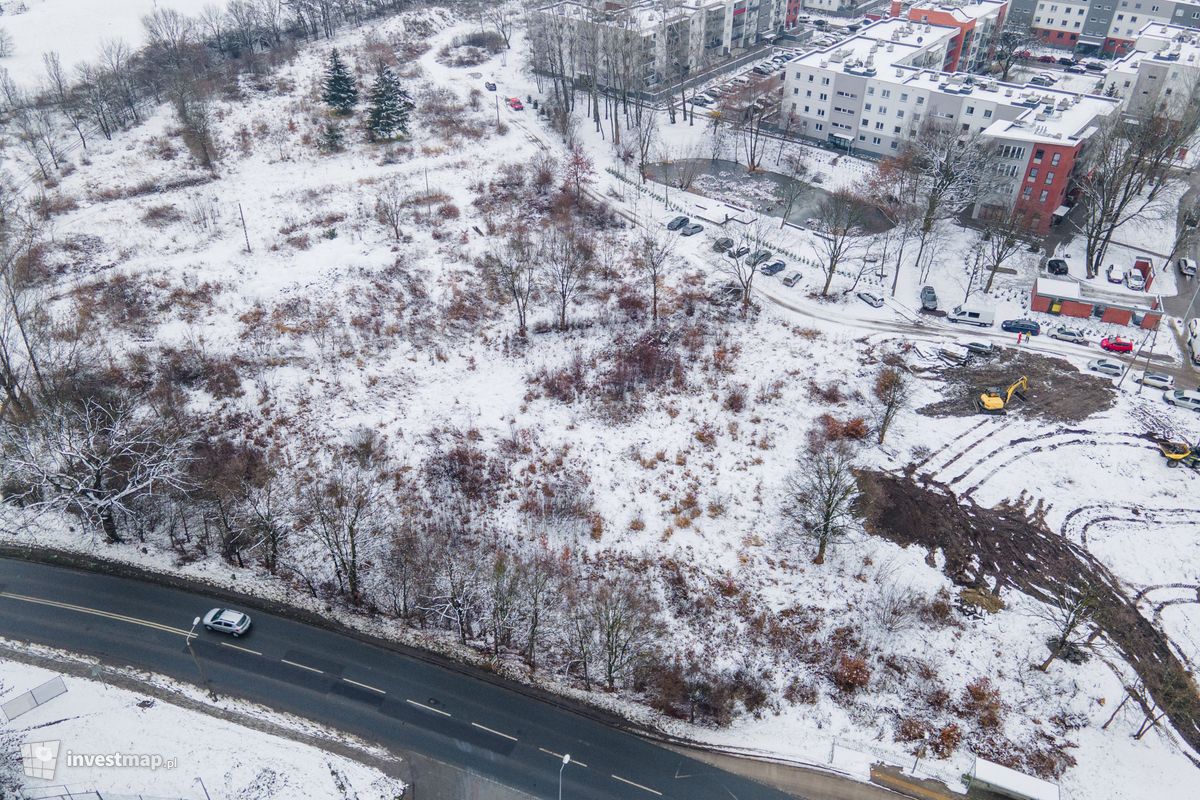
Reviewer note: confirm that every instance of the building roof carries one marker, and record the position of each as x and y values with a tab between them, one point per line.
960	10
1011	781
1056	288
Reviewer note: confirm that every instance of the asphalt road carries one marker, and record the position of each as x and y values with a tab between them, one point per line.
400	702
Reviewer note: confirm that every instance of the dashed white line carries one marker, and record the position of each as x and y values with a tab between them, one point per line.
638	785
428	708
239	647
303	666
364	686
559	756
493	730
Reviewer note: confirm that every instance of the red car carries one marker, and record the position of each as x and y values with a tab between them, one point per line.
515	104
1116	345
1024	54
1047	59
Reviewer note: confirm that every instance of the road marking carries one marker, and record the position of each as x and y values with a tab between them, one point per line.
428	708
97	613
239	647
559	756
493	730
638	785
303	666
364	686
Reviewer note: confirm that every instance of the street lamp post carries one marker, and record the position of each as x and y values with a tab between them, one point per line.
566	760
204	678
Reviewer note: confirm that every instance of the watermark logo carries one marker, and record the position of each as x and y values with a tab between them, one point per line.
40	758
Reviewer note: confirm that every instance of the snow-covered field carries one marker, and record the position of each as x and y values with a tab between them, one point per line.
329	325
76	29
171	751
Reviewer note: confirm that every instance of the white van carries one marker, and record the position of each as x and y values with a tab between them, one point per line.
1194	349
972	316
1192	329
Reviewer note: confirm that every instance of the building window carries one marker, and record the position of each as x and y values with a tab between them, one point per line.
1050	177
867	106
920	101
1038	155
1024	194
1042	197
878	126
894	143
1032	175
900	114
876	140
1054	159
886	93
987	114
870	90
824	81
970	110
896	130
903	97
819	126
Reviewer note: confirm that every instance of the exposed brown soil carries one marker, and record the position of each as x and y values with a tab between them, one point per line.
1007	547
1057	390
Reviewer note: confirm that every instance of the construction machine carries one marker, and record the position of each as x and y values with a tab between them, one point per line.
996	402
1179	454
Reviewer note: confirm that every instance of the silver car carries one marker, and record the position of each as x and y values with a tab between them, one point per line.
1107	367
1183	399
226	620
1156	380
1065	334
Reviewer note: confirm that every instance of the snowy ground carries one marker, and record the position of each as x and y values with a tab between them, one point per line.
76	29
303	309
230	760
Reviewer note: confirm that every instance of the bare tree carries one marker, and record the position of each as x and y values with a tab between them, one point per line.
645	135
794	167
455	593
391	204
346	507
97	459
541	580
819	494
739	267
1126	169
1002	237
841	232
62	94
1009	45
892	391
512	267
626	624
503	19
501	599
566	261
652	258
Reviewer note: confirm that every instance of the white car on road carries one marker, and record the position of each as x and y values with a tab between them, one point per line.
1183	399
226	620
1065	334
1106	366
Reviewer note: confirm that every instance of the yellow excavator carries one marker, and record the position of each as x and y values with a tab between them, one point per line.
995	402
1179	454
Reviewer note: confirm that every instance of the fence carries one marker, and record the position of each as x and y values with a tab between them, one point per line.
67	793
24	703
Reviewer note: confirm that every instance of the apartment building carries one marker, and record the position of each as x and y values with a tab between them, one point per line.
671	42
1099	26
1162	74
977	21
873	91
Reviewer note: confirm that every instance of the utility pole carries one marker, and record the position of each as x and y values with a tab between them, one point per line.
244	231
204	678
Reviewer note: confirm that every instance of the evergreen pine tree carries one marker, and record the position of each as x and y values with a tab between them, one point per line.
390	107
340	91
332	139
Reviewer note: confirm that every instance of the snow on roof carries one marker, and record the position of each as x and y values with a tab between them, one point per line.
1052	115
961	11
887	43
1055	288
1008	780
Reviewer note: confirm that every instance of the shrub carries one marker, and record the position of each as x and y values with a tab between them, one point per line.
946	741
851	673
800	692
736	400
161	215
912	729
982	700
835	429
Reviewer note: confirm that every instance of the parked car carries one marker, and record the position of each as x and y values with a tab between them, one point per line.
774	268
967	315
871	299
1026	326
722	244
1135	280
1156	380
1096	66
226	620
1106	367
758	257
1065	334
741	251
515	104
1067	61
1115	344
1046	59
725	295
1057	266
700	100
1192	327
928	298
1040	80
691	230
491	87
1187	267
1024	55
986	349
1077	69
792	279
1183	399
677	223
1114	276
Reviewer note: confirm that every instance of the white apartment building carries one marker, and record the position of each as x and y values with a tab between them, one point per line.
1161	75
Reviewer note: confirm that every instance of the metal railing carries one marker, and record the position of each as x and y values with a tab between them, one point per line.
28	701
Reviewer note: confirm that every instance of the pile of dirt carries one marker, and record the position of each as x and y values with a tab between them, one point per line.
1004	547
1058	391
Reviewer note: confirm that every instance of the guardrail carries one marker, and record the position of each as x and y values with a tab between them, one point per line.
28	701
